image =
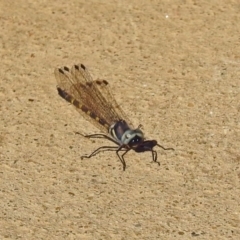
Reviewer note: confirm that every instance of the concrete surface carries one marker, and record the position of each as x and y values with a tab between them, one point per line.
174	66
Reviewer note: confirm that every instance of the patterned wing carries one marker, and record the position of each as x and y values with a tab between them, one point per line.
92	97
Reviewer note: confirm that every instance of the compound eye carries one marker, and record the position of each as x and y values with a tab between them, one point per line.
135	141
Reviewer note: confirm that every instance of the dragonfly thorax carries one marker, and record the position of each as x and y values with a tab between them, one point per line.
121	132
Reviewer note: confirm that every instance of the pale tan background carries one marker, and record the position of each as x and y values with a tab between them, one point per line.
174	67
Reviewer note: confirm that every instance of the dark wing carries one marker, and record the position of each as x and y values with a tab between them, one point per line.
91	95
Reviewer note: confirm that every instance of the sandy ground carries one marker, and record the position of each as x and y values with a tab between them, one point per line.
175	69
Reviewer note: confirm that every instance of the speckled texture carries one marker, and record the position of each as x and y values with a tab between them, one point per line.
175	69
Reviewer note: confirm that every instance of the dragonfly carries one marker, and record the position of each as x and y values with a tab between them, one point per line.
94	100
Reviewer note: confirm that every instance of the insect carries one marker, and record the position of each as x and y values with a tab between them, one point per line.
94	98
